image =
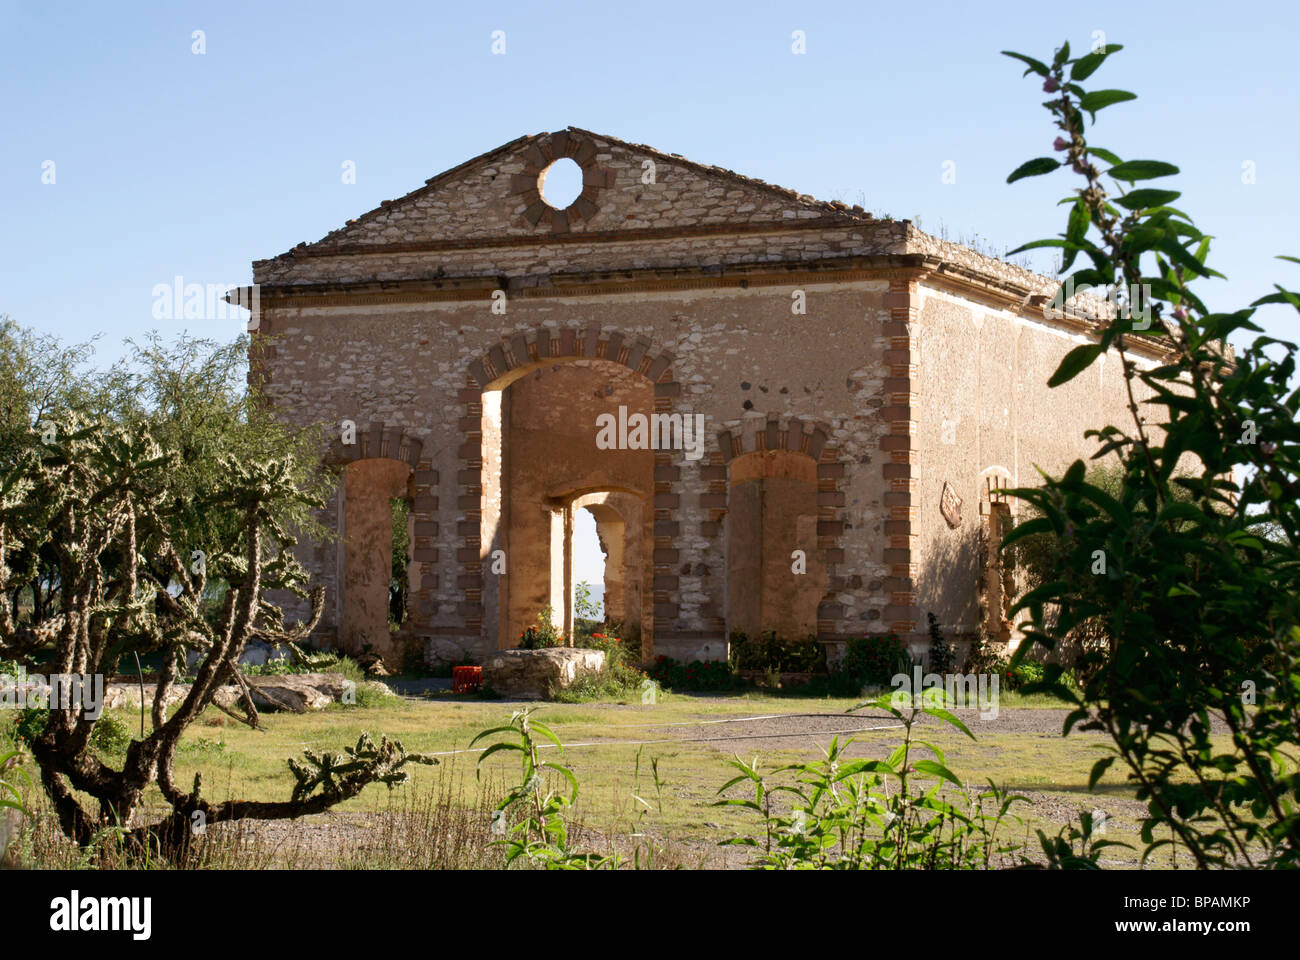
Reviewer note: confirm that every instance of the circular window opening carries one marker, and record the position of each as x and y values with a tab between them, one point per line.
560	184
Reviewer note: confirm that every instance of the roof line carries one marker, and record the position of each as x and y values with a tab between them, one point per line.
834	208
429	184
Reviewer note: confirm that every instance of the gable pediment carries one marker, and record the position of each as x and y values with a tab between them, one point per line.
626	187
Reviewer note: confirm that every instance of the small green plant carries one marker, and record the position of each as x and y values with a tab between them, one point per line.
861	814
11	797
1075	848
542	634
643	857
279	667
942	656
540	834
203	745
584	608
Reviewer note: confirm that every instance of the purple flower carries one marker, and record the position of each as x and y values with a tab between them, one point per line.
1180	313
1267	447
1060	143
1050	85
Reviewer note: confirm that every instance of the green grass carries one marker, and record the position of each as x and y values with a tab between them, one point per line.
236	761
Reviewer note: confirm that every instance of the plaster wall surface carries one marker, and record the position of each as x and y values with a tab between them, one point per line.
985	416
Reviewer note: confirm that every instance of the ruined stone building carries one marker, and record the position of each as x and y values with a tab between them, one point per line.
864	389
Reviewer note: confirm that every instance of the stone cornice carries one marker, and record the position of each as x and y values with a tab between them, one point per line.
582	237
932	271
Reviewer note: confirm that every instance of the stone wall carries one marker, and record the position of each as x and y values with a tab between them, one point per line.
474	334
762	377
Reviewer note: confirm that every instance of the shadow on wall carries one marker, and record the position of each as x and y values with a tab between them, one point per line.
949	585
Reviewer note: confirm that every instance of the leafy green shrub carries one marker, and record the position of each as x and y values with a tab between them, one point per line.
1192	574
1017	675
109	735
942	656
698	675
280	667
770	653
29	723
366	694
985	657
543	634
873	660
618	680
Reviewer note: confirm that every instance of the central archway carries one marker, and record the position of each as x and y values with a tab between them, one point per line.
530	448
545	455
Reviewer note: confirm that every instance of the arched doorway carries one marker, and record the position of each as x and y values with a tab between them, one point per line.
619	517
371	489
776	572
546	452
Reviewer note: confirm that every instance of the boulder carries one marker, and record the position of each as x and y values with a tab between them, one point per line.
297	692
534	674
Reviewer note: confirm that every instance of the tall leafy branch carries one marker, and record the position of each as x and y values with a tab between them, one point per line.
1198	592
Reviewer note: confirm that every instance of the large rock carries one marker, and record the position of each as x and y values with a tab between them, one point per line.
535	674
297	692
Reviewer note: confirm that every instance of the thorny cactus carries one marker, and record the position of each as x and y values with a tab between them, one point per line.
142	562
342	777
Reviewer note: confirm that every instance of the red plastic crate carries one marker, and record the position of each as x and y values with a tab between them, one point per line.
466	679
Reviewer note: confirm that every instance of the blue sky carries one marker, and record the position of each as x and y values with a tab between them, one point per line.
172	163
168	162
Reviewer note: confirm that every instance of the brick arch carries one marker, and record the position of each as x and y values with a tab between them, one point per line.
515	355
375	441
379	441
810	438
494	369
